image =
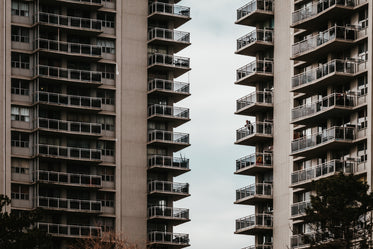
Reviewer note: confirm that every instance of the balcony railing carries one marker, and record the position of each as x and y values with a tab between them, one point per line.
265	5
168	85
259	66
263	35
256	159
69	74
69	204
335	32
169	9
70	230
259	97
68	178
299	208
168	136
68	100
68	21
259	247
349	67
70	126
68	47
263	220
168	162
87	1
168	238
169	60
258	128
259	189
327	135
301	240
169	34
171	111
169	187
168	212
68	152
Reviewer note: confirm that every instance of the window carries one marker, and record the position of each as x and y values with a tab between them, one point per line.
363	51
107	147
107	46
107	122
363	18
362	85
20	192
20	8
362	152
20	139
107	19
107	174
20	114
107	70
20	87
20	60
106	198
20	34
108	97
20	166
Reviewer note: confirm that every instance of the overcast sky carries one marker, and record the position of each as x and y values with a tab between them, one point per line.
213	153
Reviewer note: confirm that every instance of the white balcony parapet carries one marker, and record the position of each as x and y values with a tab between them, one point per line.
258	66
169	9
258	97
168	85
62	230
265	5
168	60
68	204
169	34
168	136
258	128
256	159
259	189
70	126
68	74
168	212
68	152
168	238
170	187
80	180
68	21
168	162
68	47
68	100
262	35
262	220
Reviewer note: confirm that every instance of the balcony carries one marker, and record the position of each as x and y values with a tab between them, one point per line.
70	231
172	190
255	41
256	11
178	40
299	209
333	105
333	39
69	75
174	141
256	102
78	128
168	63
70	101
254	163
301	240
303	178
69	153
173	216
255	193
68	179
174	90
177	14
265	246
83	3
170	240
71	205
254	224
335	72
259	70
313	16
167	164
69	22
333	138
175	116
68	48
252	134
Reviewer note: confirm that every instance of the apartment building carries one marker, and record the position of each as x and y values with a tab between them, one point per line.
319	110
88	116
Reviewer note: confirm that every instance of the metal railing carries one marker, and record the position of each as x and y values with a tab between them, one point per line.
168	136
68	21
166	59
259	97
165	110
68	152
170	187
264	220
309	11
258	128
68	47
256	159
68	204
71	126
266	5
69	230
259	247
68	74
172	9
168	161
68	100
87	1
68	178
335	66
257	66
301	240
169	34
263	35
299	208
261	189
335	32
168	212
319	138
169	85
